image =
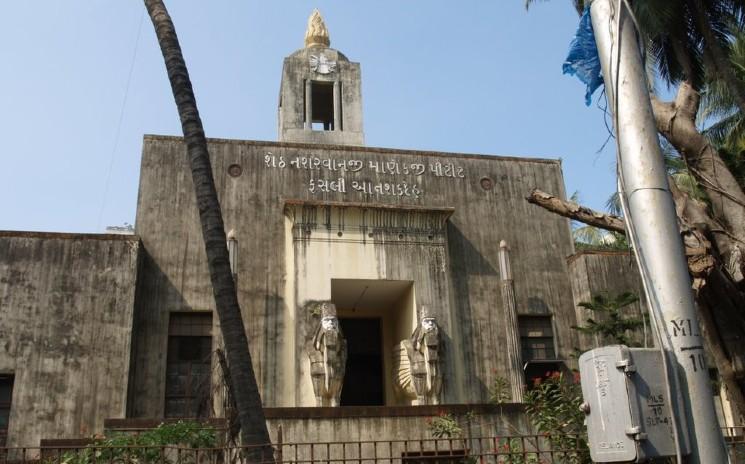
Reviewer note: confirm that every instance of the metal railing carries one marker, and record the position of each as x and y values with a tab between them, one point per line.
528	449
735	439
522	449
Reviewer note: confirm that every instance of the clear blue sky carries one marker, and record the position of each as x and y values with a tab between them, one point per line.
471	76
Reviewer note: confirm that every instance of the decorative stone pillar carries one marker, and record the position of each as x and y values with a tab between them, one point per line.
337	106
233	253
512	330
308	104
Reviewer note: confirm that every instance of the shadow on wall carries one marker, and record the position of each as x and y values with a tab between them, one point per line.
468	258
270	333
465	261
156	299
538	307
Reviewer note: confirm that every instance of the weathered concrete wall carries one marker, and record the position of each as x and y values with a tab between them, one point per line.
396	430
487	196
610	273
66	310
296	71
330	242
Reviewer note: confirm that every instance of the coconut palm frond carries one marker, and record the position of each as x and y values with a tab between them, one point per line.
725	130
613	204
685	181
589	235
579	5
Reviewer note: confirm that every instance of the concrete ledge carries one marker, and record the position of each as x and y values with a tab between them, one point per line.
359	148
65	442
134	425
446	211
329	413
67	235
581	253
387	411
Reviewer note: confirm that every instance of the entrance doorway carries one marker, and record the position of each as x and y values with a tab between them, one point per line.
375	316
363	378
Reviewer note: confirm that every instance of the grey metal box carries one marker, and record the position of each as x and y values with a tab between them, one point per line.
628	405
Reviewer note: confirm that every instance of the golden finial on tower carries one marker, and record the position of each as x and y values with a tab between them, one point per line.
316	35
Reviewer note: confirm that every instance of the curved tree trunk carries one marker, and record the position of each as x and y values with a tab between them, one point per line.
244	387
676	121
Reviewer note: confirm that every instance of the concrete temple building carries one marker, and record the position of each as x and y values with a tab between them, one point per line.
378	286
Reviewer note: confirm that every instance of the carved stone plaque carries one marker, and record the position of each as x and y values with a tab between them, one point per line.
321	64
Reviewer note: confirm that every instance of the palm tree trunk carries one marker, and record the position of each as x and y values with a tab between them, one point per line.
244	387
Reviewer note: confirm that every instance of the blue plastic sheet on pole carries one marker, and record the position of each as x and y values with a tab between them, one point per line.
582	60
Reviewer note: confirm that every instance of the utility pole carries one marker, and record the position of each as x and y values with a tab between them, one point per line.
652	224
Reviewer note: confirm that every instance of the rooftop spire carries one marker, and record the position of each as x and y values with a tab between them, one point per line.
316	35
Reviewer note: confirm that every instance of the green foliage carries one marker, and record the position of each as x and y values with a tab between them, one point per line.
444	426
145	446
678	171
720	113
514	452
615	324
553	405
594	238
500	391
578	5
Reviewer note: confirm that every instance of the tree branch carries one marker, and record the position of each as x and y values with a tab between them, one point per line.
676	121
577	212
716	294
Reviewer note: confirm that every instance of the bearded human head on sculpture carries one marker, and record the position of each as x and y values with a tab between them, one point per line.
429	324
329	323
427	320
329	320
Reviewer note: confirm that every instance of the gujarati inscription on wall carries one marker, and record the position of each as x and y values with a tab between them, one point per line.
330	174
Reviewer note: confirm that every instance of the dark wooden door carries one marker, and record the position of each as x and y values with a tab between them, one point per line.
363	379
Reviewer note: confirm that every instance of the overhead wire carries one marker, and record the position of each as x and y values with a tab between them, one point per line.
118	131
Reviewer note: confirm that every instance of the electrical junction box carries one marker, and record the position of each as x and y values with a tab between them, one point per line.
627	405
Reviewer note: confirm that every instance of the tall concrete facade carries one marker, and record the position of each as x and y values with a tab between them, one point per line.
388	259
396	240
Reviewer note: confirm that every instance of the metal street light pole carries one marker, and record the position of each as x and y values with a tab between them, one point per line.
652	224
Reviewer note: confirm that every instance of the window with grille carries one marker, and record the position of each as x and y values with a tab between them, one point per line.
188	365
536	338
6	395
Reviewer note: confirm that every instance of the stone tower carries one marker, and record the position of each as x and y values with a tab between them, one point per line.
320	98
